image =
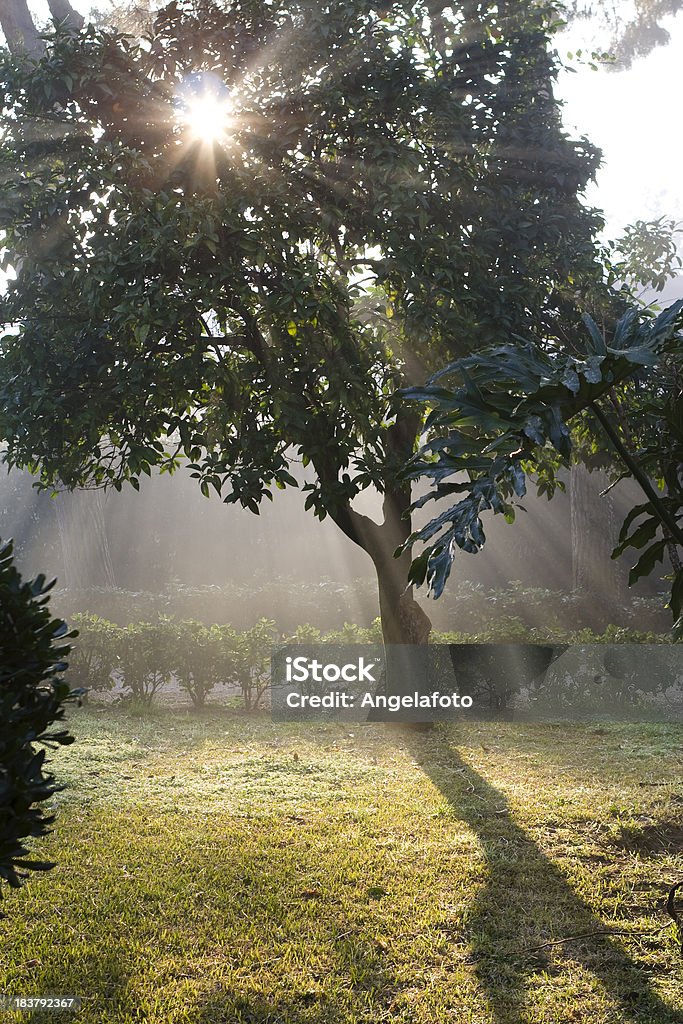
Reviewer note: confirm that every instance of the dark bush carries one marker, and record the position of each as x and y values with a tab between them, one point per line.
33	693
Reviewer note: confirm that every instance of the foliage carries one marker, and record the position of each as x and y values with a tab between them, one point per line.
514	405
250	663
176	298
142	658
473	606
94	658
145	658
201	657
580	690
645	256
511	629
33	694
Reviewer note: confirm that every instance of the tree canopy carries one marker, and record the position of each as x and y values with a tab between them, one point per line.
388	187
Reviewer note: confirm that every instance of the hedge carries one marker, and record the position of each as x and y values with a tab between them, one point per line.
143	658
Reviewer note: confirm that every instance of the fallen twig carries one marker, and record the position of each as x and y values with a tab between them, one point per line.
597	934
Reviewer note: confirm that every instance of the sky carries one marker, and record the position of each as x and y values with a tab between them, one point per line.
632	116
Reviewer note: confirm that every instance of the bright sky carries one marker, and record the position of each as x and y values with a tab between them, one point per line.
632	116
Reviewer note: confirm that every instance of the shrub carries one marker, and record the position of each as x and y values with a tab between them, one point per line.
146	658
595	682
305	634
33	694
469	606
147	655
352	634
201	658
250	661
95	657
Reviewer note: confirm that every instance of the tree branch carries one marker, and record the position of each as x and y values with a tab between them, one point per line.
668	521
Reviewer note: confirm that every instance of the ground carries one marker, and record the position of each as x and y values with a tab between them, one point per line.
219	868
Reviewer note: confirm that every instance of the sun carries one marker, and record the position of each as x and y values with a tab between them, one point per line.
207	118
205	109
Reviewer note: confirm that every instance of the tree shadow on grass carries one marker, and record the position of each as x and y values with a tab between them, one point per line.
526	903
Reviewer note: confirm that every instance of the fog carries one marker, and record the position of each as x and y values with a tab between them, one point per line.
168	540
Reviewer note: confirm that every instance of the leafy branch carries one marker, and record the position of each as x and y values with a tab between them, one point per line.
513	406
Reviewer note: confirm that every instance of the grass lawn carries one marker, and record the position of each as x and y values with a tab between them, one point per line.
220	868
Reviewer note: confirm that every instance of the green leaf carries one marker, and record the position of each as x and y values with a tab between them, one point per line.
647	562
599	346
676	599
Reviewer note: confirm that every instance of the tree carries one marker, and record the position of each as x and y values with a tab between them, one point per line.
20	31
510	413
594	526
184	296
640	263
33	694
80	520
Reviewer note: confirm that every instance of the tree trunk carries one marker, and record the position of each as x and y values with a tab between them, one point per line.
63	14
404	624
85	548
19	31
403	620
594	530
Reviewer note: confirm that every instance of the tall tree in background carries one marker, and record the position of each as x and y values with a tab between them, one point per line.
83	537
80	516
193	293
627	30
20	31
641	262
594	530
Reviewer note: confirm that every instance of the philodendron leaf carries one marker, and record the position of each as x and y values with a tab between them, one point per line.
596	336
647	561
516	400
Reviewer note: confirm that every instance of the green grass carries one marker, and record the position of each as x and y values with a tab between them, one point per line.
225	869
